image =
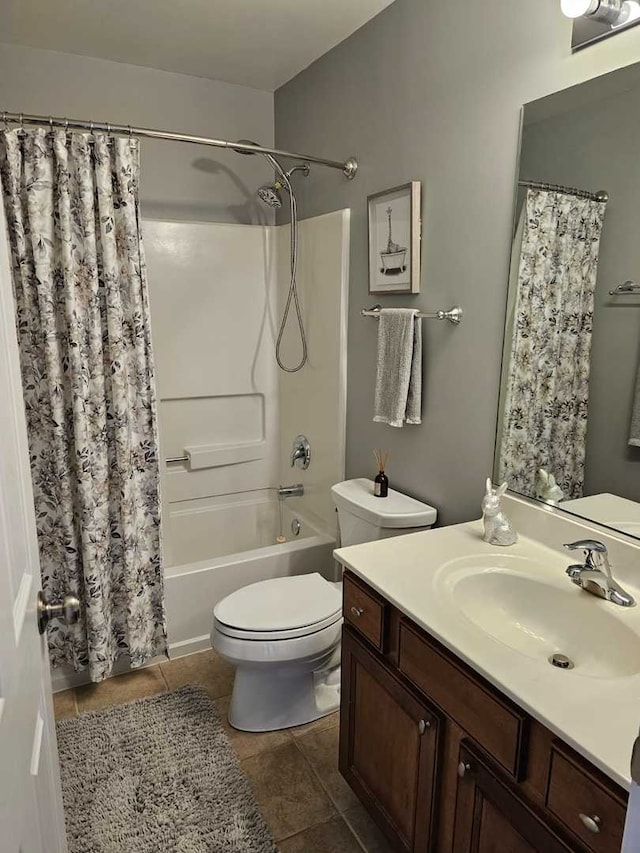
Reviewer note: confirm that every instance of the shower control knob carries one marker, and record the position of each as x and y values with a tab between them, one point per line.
67	609
301	453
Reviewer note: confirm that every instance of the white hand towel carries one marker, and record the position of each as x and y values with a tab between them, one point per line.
399	371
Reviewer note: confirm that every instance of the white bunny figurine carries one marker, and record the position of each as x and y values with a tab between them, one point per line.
547	488
497	527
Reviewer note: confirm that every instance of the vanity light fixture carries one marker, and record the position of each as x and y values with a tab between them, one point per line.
615	13
630	12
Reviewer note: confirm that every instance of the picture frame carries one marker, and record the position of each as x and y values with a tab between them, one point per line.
395	232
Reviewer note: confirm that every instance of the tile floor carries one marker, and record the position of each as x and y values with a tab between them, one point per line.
294	773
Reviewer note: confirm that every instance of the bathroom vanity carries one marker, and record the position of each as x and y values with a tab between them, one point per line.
457	733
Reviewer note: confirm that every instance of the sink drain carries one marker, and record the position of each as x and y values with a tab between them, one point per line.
561	661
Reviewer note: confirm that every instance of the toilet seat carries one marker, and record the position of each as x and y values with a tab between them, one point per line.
287	634
279	609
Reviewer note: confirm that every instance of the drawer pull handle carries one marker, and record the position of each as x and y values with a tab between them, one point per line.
463	768
590	822
357	612
423	725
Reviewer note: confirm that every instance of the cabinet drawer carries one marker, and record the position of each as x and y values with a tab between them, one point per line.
364	610
492	721
575	790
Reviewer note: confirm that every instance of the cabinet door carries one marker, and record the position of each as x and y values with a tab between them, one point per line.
388	748
490	817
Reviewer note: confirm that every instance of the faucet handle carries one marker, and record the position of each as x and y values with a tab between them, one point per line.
588	545
301	453
596	554
575	570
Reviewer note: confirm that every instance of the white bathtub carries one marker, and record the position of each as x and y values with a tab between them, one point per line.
239	538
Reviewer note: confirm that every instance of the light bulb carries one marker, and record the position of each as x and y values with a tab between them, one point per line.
630	12
578	8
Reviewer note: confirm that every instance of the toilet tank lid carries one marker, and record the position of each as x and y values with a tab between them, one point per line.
395	511
280	604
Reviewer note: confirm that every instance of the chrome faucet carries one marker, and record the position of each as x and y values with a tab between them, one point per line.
296	491
594	575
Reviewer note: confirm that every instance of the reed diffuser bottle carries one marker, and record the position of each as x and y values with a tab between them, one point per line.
381	482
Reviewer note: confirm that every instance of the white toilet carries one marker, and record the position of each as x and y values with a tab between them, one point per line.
283	634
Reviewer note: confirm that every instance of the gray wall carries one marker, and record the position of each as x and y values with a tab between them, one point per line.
178	181
596	147
432	92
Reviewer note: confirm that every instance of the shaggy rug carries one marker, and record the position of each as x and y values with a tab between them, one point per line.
157	775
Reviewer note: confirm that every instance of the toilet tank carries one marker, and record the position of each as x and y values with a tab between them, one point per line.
364	518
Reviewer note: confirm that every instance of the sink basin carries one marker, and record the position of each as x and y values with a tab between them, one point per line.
539	619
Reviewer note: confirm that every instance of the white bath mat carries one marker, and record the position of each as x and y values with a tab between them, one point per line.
157	774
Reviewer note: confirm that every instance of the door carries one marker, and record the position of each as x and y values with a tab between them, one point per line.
31	818
490	818
389	747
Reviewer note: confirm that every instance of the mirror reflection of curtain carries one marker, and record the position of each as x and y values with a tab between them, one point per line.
544	423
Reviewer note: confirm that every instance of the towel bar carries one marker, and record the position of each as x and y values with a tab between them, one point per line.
453	315
627	287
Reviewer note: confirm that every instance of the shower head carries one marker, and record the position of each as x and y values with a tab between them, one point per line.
270	194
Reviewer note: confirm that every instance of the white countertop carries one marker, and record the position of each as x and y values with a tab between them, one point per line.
598	716
612	510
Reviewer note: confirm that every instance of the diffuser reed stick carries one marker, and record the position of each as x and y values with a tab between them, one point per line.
381	459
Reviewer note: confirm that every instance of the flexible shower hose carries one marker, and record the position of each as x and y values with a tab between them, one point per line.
293	291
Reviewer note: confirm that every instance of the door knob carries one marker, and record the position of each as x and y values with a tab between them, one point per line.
68	610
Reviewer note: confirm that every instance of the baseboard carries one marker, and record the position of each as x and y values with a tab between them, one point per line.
63	677
189	647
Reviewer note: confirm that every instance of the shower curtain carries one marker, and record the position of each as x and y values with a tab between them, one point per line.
547	380
83	324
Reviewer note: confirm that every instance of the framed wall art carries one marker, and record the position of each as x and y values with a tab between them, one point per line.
394	239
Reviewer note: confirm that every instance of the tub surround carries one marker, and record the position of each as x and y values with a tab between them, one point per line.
314	400
595	714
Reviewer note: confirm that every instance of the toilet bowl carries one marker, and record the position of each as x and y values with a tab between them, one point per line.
283	634
283	637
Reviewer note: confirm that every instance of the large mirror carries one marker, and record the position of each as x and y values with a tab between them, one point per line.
569	417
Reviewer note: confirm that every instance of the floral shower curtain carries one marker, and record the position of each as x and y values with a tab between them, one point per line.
545	410
87	367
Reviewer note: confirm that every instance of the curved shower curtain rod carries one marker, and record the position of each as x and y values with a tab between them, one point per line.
348	168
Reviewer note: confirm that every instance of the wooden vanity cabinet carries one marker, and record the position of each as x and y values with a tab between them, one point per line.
444	762
490	816
389	747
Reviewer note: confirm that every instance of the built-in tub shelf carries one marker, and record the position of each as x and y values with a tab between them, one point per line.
219	455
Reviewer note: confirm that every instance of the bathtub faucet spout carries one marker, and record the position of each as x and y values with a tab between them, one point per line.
296	491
